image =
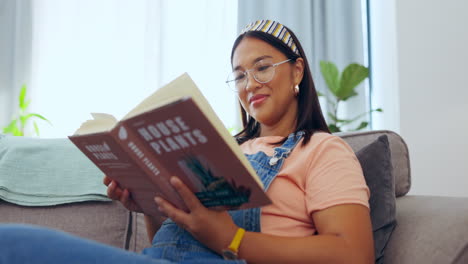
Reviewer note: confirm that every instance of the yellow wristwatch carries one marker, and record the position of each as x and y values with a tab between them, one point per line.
230	253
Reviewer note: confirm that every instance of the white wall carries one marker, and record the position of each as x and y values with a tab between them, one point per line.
431	57
384	65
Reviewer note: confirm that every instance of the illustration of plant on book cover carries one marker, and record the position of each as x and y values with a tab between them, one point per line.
214	190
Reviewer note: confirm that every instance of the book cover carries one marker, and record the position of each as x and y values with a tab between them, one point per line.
174	132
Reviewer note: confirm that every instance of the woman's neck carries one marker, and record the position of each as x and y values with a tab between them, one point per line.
281	129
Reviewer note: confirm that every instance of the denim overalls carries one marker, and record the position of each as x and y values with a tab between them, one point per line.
175	244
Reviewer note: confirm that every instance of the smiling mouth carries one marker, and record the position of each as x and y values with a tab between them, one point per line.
257	99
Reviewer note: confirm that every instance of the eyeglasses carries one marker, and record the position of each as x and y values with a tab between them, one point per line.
263	71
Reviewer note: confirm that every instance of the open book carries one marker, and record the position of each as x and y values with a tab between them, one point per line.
173	132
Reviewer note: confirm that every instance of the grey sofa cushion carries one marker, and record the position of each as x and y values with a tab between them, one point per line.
431	229
139	239
101	221
375	160
399	150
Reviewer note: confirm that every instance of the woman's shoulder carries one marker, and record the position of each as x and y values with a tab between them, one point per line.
322	146
325	140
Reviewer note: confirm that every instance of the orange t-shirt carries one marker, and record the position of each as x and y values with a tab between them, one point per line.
319	175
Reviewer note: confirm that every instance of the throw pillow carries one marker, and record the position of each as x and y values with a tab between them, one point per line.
376	164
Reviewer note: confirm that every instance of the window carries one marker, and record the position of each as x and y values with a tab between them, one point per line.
106	56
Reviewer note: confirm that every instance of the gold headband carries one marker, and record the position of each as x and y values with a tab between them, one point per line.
275	29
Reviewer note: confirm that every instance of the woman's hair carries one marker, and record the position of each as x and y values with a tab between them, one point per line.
309	114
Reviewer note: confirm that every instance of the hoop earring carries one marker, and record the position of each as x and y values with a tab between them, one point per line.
296	89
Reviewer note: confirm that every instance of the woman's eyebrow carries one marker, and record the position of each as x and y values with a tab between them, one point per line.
254	61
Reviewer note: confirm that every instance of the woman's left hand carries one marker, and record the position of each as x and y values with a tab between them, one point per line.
215	229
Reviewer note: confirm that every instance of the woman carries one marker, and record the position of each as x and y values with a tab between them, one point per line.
319	212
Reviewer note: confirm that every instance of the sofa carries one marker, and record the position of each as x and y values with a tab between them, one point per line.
428	229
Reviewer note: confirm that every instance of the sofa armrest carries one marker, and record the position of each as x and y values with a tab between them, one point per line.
430	229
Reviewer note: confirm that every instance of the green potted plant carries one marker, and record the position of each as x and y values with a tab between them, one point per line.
342	87
17	125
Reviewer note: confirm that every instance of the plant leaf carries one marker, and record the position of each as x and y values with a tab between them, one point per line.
41	117
36	128
22	96
347	121
18	133
361	126
10	128
233	130
352	75
332	117
23	119
351	95
26	105
333	128
331	75
336	119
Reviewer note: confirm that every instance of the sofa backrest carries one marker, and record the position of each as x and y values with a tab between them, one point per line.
399	152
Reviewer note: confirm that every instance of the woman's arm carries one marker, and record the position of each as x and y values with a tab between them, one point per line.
152	226
123	196
344	234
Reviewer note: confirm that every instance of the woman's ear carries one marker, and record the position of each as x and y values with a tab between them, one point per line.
298	70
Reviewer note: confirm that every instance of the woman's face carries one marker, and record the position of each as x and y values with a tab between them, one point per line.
272	103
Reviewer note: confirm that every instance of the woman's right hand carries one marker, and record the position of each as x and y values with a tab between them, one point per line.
123	195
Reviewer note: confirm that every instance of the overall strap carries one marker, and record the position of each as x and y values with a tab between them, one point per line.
280	154
267	168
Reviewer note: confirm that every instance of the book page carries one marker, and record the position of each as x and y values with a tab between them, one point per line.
182	86
101	122
151	102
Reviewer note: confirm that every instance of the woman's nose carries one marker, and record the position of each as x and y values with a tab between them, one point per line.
252	83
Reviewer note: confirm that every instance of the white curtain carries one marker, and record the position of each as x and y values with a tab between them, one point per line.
15	54
107	55
332	30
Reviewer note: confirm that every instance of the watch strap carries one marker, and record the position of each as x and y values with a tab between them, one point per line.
235	243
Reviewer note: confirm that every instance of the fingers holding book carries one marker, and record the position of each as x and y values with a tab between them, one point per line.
116	193
191	201
211	227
